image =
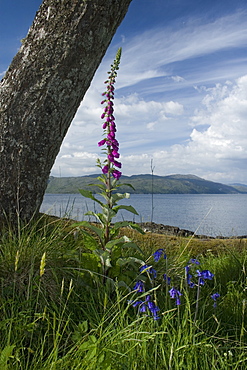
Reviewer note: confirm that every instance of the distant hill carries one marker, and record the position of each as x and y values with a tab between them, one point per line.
143	184
240	187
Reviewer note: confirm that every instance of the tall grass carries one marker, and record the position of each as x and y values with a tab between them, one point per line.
53	318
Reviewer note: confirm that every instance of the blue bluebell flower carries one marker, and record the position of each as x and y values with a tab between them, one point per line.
175	293
189	277
204	275
158	254
167	279
189	282
139	286
215	296
150	269
194	261
146	305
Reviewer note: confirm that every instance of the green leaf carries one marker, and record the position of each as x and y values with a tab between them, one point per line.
91	262
125	184
102	187
5	354
113	242
137	228
127	208
132	245
98	216
89	226
105	257
118	196
129	260
89	194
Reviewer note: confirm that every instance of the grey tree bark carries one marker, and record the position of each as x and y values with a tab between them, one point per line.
42	90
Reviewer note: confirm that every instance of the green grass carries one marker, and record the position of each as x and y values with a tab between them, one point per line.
57	315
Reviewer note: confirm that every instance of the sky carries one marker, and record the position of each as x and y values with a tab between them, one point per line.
181	91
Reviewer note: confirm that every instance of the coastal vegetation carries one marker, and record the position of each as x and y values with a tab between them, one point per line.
56	312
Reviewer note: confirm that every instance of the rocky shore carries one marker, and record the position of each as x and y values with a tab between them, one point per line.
176	231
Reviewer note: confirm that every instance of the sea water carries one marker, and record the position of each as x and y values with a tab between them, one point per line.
208	214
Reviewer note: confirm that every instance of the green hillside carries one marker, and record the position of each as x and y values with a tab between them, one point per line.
144	184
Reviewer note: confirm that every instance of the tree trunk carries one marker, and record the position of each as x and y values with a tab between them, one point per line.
42	91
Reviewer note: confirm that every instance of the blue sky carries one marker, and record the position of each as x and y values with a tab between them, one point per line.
181	91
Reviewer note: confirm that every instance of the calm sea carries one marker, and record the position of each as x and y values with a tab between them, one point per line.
208	214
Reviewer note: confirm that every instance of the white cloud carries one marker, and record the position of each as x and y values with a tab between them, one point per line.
171	114
161	47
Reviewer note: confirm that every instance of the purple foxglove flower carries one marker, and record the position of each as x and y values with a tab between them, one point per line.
101	142
115	154
111	158
102	115
139	286
104	126
157	255
105	169
117	164
111	135
116	174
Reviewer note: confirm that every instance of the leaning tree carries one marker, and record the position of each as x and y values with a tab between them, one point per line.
42	90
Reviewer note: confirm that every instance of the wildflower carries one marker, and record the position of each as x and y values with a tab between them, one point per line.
139	286
102	142
204	275
175	294
158	254
150	269
153	309
109	125
194	261
147	305
215	296
105	169
167	279
189	282
189	276
116	174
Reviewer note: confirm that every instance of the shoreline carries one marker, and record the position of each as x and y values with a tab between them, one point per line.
176	231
